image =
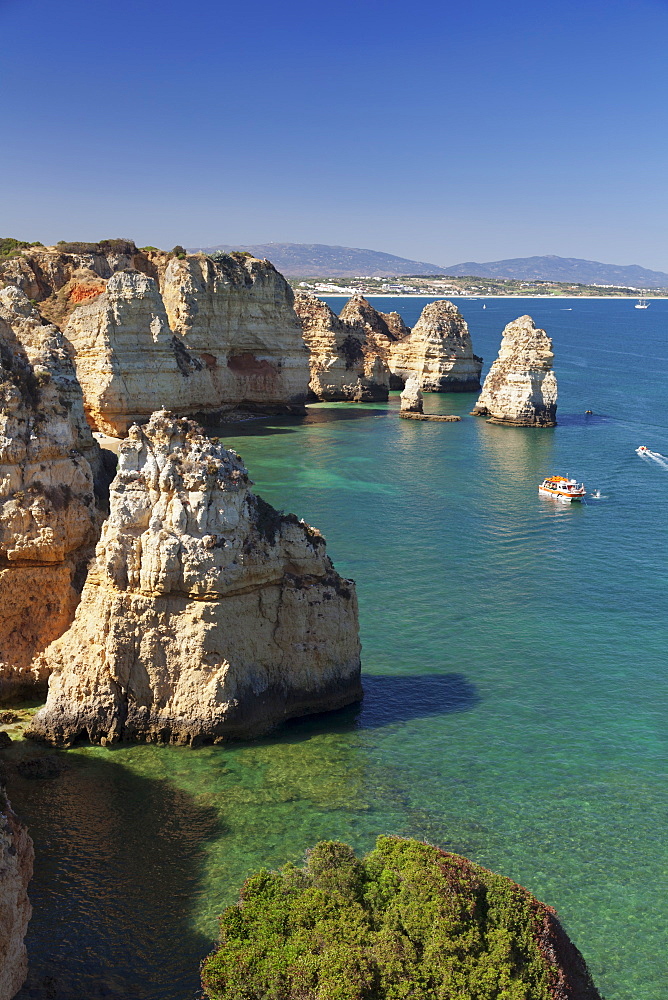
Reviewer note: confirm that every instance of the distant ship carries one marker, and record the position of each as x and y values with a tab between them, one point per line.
642	303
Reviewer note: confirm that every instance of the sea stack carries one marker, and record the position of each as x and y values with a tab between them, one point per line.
521	388
49	522
343	366
206	615
411	398
16	862
438	351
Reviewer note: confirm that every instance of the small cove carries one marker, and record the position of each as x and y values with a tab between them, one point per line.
514	651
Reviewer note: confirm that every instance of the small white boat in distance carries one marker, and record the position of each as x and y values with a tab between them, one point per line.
642	303
562	488
642	450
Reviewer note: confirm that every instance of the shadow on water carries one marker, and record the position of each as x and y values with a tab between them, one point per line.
118	866
389	700
317	413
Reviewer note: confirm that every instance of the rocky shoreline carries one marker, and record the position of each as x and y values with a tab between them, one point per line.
164	601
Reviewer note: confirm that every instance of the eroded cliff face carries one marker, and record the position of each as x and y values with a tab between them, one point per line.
148	328
342	363
438	351
521	388
48	517
362	343
16	863
206	615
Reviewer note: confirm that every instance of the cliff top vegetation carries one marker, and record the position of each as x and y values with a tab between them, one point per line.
9	247
406	921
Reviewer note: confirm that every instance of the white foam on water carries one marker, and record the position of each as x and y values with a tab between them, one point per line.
654	456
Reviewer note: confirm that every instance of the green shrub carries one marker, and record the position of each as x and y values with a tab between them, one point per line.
407	922
9	247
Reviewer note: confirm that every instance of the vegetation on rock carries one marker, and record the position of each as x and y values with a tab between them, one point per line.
407	921
9	247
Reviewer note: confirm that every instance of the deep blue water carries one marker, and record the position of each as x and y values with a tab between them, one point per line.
514	652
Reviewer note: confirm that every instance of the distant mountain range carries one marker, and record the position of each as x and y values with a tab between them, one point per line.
317	260
581	272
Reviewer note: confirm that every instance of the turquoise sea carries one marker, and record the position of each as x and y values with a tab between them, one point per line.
515	663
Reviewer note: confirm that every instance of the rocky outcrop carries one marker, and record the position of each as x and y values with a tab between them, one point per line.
48	517
411	398
412	405
438	352
16	861
342	366
380	349
521	388
148	329
206	615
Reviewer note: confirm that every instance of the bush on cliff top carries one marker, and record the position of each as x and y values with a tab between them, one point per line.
9	247
408	922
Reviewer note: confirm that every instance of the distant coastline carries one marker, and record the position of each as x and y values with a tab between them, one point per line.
473	298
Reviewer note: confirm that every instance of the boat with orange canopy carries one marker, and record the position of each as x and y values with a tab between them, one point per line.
563	488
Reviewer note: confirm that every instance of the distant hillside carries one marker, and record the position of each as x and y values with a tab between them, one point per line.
316	260
583	272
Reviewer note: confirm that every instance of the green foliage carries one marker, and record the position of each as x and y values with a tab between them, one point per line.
408	922
179	252
9	247
122	246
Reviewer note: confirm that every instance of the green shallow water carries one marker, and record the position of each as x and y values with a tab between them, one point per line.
514	655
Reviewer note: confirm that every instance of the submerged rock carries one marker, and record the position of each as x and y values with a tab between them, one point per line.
48	464
16	862
407	920
206	615
521	388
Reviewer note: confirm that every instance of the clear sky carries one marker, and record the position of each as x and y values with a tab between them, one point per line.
444	132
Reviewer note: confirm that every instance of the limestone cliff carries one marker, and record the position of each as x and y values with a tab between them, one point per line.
342	365
16	861
48	517
364	342
148	328
521	388
438	351
206	615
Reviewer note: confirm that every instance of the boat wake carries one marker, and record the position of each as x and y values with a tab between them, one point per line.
653	456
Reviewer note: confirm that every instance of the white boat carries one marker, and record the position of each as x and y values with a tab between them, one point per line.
642	303
562	488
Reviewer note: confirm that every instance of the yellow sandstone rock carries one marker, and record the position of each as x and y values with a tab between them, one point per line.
206	615
48	518
521	388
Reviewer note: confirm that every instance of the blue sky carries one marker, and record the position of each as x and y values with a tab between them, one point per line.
443	132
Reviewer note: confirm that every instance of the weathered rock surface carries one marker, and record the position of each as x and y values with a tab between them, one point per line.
48	517
364	342
521	388
206	615
438	351
16	862
148	329
411	398
341	362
